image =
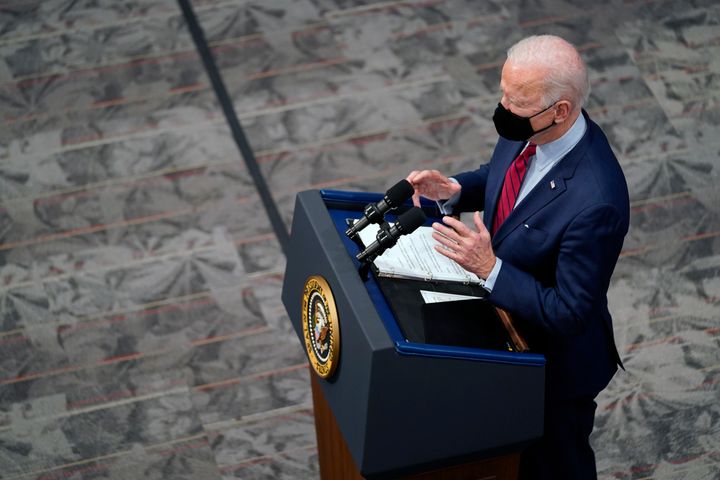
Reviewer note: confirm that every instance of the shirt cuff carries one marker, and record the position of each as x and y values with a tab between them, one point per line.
446	206
490	280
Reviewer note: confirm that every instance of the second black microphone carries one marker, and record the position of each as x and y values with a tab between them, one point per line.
387	237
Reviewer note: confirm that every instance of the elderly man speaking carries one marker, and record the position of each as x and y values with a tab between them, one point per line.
556	211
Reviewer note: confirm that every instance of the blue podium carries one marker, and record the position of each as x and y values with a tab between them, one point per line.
389	404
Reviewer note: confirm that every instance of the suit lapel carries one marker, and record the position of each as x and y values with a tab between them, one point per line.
537	199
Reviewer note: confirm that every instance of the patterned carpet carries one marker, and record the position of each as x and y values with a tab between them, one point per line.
141	329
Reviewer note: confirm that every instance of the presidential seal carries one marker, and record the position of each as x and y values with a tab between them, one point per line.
320	326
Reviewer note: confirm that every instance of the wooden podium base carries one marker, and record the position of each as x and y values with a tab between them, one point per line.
336	462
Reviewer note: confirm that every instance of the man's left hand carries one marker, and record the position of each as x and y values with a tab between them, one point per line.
471	249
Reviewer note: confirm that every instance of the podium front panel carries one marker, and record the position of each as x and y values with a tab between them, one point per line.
404	405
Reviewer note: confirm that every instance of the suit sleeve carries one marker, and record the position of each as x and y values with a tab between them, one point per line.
472	194
587	256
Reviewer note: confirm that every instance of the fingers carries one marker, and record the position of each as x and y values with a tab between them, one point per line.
425	177
470	248
478	222
445	241
418	177
456	225
447	247
447	232
480	226
448	253
431	184
411	178
416	199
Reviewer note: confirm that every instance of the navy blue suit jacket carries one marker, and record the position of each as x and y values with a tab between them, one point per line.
559	247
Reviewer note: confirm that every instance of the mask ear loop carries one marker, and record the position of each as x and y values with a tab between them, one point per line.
535	132
544	109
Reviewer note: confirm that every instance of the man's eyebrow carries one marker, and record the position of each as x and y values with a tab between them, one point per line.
511	98
519	101
502	91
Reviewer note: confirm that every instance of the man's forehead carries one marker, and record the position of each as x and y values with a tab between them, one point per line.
514	72
519	80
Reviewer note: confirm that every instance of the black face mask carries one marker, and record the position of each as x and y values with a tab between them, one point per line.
515	127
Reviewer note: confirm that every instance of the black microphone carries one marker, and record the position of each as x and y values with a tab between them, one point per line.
388	236
375	212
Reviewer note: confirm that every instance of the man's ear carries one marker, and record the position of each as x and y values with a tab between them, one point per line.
562	110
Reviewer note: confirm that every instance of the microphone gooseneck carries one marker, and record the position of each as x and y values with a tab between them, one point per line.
375	212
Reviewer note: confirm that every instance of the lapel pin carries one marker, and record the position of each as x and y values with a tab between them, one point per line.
552	184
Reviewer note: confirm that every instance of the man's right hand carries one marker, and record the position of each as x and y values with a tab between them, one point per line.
431	184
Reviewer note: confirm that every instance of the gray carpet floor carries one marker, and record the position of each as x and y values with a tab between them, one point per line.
141	329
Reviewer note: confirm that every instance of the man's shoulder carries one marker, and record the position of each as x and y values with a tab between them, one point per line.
599	173
594	135
598	148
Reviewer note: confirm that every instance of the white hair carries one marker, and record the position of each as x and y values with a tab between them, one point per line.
566	77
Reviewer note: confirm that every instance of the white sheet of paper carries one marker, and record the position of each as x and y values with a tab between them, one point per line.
437	297
415	256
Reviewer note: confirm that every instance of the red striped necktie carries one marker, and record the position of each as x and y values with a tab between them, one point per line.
511	186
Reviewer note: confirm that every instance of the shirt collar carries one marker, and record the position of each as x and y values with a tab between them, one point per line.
552	152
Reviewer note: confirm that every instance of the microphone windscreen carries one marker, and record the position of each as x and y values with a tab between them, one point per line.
399	192
409	221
